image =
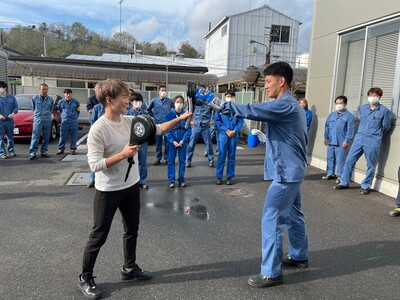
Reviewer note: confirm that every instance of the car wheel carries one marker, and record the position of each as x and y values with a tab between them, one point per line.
53	133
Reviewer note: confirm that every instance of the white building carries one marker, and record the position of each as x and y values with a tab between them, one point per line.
228	48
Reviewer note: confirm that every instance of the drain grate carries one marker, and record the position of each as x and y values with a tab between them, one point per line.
235	192
79	179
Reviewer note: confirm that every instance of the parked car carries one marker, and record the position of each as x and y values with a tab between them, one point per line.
23	120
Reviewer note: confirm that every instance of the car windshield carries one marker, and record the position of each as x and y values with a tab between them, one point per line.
24	102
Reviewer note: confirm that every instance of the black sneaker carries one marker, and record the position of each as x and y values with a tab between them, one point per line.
182	184
144	186
157	162
44	154
219	182
364	191
33	156
135	273
171	185
90	184
229	181
89	288
188	165
60	151
340	187
329	177
260	281
395	212
290	262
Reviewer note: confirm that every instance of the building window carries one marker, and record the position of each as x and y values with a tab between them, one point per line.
280	34
368	58
224	30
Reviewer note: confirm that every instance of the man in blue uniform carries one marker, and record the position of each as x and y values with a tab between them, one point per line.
339	131
228	136
70	109
285	164
375	120
158	109
202	119
91	102
8	109
136	110
42	107
177	139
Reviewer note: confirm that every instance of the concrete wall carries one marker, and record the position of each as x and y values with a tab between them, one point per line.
331	17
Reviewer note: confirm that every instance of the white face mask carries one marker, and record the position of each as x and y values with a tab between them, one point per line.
137	104
163	95
178	106
339	107
230	99
1	90
373	100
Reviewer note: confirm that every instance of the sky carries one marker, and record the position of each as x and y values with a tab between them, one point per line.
150	20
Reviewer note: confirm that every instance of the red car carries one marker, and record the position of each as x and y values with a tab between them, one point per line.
23	120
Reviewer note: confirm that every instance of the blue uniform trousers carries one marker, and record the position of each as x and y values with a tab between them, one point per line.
371	156
226	145
336	157
398	192
70	128
39	126
7	128
196	132
142	158
159	142
282	206
172	151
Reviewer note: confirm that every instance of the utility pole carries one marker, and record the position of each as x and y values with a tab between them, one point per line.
120	25
44	29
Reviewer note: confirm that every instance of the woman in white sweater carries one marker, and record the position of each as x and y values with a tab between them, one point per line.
108	149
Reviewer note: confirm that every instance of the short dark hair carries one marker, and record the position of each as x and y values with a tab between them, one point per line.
179	97
305	101
3	84
136	97
281	69
230	92
162	86
68	91
344	98
375	90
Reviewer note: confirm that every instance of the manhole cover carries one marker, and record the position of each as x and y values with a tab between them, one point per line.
79	179
235	192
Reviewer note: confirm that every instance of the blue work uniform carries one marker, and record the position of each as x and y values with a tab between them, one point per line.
308	118
69	122
373	124
142	155
8	105
177	134
202	117
158	109
42	108
226	144
285	164
339	129
98	111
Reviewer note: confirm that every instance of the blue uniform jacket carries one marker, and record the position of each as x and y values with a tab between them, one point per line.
42	107
178	133
339	128
133	112
286	131
225	122
202	115
308	118
98	111
158	108
8	105
69	109
373	124
91	102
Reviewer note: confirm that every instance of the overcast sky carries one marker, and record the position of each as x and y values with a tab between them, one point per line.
150	20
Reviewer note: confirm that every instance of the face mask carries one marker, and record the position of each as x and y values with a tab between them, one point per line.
339	107
1	90
178	106
163	95
373	100
230	99
137	104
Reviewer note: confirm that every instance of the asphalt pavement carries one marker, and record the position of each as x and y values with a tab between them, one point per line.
200	242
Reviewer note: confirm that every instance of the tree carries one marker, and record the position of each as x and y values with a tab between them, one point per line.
188	50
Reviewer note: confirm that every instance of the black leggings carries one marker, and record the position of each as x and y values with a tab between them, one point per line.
105	205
